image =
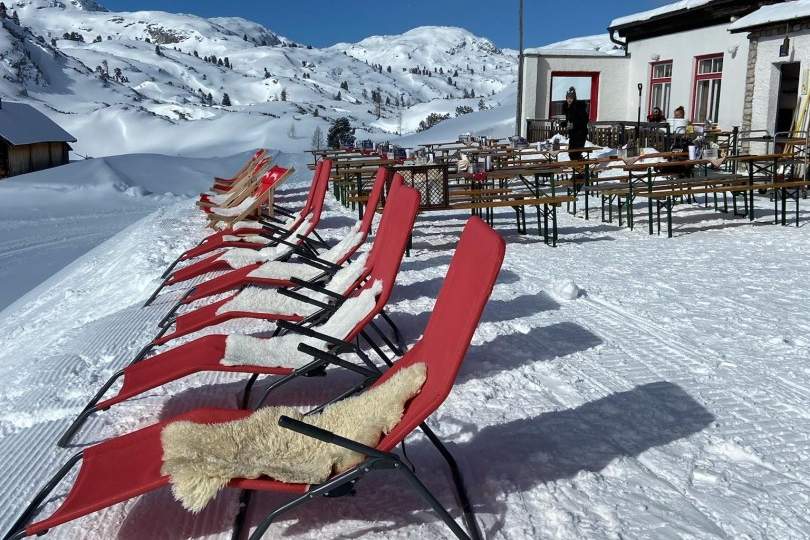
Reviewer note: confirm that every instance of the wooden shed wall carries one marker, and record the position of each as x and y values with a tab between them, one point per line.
35	157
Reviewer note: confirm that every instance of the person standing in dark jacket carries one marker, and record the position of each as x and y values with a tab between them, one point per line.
576	119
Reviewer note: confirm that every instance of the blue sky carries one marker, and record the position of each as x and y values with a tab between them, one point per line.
324	22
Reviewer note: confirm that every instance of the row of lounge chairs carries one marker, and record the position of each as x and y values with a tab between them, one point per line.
328	303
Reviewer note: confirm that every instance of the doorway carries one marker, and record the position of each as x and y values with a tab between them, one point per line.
788	96
586	85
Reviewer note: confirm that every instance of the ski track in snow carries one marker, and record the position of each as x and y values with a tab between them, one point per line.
666	401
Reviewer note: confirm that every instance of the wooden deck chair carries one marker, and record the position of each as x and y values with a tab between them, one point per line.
225	183
271	244
252	204
309	267
224	238
240	306
254	185
238	191
248	234
102	481
207	353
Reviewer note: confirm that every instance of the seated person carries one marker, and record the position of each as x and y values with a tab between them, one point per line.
679	123
656	115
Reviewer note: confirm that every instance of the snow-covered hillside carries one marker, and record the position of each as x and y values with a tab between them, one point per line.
152	81
51	217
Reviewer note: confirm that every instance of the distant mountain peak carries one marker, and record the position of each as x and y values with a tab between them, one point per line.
84	5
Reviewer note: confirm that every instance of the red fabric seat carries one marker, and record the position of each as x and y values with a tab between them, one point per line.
203	354
103	481
207	316
267	182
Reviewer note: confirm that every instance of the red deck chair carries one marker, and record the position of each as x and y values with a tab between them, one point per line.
242	277
102	481
303	227
217	240
205	353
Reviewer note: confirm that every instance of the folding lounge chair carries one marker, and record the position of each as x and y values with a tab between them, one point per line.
102	481
254	185
226	237
206	353
225	183
250	205
311	267
240	189
276	243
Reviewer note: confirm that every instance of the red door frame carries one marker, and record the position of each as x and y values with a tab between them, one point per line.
594	75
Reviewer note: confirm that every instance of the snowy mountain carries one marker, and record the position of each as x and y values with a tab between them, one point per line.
152	81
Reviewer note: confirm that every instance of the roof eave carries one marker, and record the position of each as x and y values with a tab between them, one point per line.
761	26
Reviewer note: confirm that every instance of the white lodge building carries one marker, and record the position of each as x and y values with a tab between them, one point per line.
718	59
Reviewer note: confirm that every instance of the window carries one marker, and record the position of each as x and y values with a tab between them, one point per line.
660	86
708	82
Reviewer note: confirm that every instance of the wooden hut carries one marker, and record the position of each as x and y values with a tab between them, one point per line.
29	140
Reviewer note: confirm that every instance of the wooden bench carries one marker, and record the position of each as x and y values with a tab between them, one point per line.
665	198
519	202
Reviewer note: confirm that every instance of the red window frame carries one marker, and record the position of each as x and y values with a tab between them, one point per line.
660	80
594	75
697	77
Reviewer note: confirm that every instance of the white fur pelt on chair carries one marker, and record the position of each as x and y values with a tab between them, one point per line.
282	351
202	458
261	300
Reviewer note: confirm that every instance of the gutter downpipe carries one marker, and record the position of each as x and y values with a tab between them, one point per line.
622	44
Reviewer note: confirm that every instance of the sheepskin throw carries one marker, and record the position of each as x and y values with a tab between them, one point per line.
221	226
241	257
235	210
282	351
254	238
259	300
201	459
339	250
288	270
285	270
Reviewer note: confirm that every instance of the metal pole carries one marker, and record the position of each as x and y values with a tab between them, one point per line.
519	112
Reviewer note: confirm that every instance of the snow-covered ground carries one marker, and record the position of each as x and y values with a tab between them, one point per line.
51	217
619	386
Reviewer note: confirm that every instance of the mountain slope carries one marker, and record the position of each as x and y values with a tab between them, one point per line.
156	81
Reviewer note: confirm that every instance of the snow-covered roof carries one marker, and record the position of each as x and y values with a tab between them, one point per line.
22	124
598	45
663	10
795	9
